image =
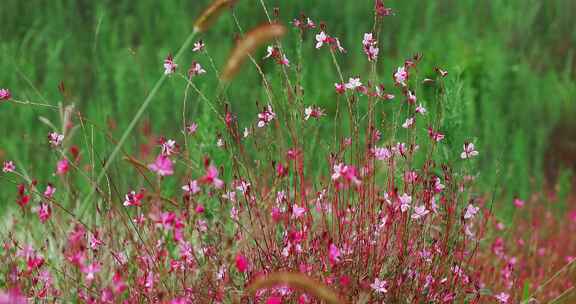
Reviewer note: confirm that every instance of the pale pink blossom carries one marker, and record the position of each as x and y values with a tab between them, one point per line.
518	203
198	46
321	38
379	286
469	151
470	211
405	201
502	297
44	212
411	97
382	153
421	109
297	211
169	65
420	212
168	147
353	83
191	128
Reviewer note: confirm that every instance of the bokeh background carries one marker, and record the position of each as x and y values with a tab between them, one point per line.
512	65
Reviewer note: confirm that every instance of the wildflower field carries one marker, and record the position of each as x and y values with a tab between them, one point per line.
268	151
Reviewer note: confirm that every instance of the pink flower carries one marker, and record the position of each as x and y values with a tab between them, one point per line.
401	76
434	135
405	201
349	173
195	70
518	203
133	199
211	177
340	88
469	151
198	46
369	45
419	212
315	112
91	270
409	123
379	286
9	167
162	166
49	192
334	255
265	117
5	94
55	139
242	263
470	211
438	186
169	65
44	212
191	187
62	166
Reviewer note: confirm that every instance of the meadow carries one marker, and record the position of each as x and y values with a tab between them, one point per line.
302	167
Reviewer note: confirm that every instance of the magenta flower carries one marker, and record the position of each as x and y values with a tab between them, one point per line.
242	263
340	88
5	94
502	297
435	135
62	166
191	128
518	203
274	300
8	167
314	112
44	212
133	199
162	166
334	255
420	109
50	190
369	45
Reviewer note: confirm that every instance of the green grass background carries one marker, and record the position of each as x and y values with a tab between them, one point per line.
511	64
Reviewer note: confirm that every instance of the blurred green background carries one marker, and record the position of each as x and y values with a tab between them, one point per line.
511	87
